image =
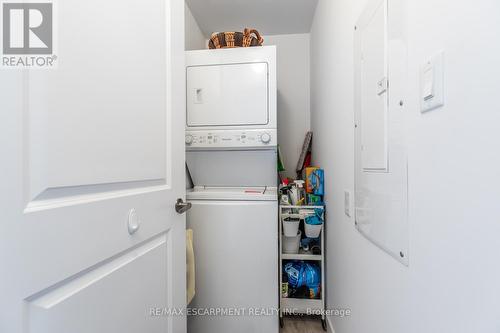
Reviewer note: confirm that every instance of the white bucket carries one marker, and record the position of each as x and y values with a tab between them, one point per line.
291	226
292	244
312	230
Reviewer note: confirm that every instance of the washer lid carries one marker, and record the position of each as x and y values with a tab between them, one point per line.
232	193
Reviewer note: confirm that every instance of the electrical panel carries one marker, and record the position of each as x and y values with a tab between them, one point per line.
381	168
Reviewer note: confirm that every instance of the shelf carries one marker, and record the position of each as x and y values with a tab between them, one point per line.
300	305
301	256
290	305
301	207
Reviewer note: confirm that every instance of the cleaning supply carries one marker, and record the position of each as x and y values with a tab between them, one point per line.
318	182
315	181
284	200
314	200
294	194
284	196
301	192
312	245
308	177
284	286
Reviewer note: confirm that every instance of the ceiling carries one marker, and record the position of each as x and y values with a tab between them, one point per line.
269	17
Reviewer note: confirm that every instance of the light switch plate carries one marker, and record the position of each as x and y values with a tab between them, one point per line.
432	83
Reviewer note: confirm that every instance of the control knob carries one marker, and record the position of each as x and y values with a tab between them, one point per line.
189	139
265	138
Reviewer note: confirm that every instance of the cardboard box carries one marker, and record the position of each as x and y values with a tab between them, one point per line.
315	178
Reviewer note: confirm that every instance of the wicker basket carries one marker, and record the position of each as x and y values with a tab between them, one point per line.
249	37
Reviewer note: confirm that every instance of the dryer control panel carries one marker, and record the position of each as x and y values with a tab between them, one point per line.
231	139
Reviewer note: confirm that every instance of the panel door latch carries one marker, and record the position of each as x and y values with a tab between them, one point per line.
181	206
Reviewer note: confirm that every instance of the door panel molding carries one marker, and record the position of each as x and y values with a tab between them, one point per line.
52	198
142	270
65	289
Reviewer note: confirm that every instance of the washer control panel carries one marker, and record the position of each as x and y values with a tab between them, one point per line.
231	138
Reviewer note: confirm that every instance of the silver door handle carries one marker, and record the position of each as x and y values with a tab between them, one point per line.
181	206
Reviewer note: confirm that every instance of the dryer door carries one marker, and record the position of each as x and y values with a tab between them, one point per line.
227	95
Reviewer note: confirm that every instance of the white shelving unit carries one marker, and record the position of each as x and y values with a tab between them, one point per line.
289	305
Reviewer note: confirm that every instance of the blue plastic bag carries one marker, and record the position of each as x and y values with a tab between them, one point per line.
303	274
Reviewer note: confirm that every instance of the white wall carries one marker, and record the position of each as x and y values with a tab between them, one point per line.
195	39
451	284
293	94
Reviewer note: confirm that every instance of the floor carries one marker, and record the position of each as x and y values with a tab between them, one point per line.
302	325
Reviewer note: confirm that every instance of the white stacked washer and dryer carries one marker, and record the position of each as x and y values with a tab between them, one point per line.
231	155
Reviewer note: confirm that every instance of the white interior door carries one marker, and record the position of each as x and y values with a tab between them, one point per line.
92	162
